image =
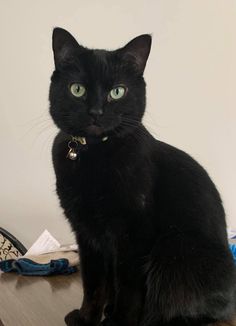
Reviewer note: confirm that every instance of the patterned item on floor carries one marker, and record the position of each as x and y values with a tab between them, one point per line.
10	247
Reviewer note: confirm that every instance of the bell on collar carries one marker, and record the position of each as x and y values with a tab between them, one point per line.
73	150
72	155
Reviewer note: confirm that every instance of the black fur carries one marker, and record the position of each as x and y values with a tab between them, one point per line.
148	220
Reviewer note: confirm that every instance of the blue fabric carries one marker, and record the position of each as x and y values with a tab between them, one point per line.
25	266
233	250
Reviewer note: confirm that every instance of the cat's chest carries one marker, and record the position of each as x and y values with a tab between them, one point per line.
103	187
103	196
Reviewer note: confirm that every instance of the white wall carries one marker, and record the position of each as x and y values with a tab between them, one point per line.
191	77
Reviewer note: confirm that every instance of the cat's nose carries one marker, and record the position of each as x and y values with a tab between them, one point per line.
95	113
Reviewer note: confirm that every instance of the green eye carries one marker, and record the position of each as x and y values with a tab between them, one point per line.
117	92
77	90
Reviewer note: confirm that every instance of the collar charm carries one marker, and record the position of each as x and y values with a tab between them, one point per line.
73	145
77	143
73	149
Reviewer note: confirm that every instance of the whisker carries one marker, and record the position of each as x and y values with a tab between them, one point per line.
46	144
37	127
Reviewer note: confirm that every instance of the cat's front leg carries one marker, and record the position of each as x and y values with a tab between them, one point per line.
94	287
127	309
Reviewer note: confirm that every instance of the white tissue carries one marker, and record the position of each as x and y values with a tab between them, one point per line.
47	243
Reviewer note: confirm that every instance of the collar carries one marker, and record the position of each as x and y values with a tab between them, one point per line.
89	140
77	144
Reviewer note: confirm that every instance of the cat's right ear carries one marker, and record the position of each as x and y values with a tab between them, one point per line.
65	47
137	51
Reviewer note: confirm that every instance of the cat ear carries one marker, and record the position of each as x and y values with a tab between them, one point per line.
138	51
65	46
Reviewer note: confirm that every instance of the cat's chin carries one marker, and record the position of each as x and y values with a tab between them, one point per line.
94	130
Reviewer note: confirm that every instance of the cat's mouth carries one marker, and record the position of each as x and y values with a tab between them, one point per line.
94	130
98	130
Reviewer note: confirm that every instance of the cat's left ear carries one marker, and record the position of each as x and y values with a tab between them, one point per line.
65	47
138	51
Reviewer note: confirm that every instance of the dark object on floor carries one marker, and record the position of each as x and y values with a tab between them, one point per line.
51	263
10	247
25	266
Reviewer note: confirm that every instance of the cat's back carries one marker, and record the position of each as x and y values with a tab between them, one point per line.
181	169
185	192
174	162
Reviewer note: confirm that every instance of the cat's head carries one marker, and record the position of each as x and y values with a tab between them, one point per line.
97	92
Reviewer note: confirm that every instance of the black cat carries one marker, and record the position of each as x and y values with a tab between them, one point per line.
148	220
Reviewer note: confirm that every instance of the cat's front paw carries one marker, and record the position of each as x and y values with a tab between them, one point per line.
73	319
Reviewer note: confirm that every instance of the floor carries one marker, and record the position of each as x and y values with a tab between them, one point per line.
41	301
37	301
